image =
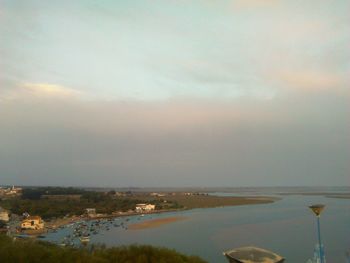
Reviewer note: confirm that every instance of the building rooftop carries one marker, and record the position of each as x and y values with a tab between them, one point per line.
252	255
33	218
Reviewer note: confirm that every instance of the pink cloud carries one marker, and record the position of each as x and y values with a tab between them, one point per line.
312	80
254	3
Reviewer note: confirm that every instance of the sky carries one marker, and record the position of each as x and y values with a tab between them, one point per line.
175	93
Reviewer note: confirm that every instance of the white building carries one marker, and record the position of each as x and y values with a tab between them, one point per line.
157	194
33	223
90	212
11	191
144	208
4	215
15	190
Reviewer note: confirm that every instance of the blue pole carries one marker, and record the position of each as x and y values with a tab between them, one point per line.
319	239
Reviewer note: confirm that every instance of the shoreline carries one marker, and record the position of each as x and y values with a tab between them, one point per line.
199	203
62	222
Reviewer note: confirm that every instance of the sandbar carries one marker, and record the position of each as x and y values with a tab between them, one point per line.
156	222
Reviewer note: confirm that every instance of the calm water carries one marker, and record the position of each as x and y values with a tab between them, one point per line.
286	227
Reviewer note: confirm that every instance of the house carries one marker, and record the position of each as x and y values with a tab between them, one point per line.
14	191
157	194
144	208
10	192
4	215
33	223
90	212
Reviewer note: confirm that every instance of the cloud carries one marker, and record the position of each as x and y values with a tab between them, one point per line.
200	51
50	90
39	90
177	142
309	80
222	63
240	4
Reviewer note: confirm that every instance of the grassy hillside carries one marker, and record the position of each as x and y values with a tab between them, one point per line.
35	202
206	201
27	251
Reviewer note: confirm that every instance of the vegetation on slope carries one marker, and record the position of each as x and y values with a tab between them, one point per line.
27	251
207	201
34	202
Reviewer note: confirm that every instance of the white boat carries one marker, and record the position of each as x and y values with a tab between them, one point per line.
85	239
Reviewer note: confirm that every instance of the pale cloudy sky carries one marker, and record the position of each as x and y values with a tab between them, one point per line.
175	93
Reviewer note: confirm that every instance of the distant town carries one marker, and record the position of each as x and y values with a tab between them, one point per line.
10	192
30	213
38	210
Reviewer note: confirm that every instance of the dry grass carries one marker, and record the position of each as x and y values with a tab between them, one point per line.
206	201
200	201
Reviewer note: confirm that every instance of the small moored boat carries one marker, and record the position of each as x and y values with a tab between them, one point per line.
85	239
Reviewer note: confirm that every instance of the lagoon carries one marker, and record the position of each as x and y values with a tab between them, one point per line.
286	227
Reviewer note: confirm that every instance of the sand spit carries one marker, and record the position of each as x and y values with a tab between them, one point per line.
156	222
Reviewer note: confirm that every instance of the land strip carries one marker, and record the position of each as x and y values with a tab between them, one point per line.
156	222
325	194
209	201
64	206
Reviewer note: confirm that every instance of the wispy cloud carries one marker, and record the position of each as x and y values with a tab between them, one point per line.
254	3
175	92
164	50
50	90
314	80
39	90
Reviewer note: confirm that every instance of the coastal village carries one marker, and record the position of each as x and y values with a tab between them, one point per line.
91	222
82	226
10	191
33	225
